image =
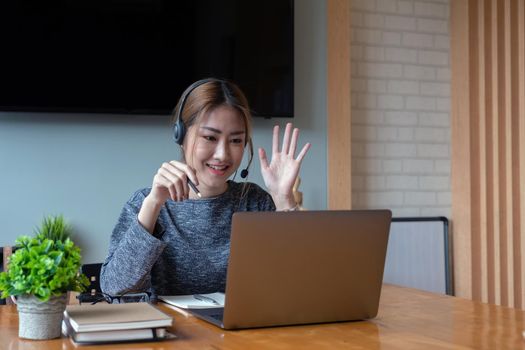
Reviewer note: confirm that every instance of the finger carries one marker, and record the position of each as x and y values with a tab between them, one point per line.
178	180
181	170
172	170
161	181
186	173
189	171
263	159
303	152
293	143
286	138
275	143
172	183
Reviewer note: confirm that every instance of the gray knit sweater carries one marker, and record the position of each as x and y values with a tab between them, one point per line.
188	251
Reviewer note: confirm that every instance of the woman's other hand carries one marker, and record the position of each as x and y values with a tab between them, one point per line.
171	182
279	175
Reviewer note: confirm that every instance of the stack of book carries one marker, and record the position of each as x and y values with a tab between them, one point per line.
112	323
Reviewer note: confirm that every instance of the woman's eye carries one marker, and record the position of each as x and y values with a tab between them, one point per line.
209	138
237	141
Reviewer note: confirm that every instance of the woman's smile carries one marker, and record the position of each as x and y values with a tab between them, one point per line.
217	169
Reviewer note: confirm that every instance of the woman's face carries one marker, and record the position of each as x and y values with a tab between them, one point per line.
214	148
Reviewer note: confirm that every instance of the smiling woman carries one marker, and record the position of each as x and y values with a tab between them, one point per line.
170	240
214	149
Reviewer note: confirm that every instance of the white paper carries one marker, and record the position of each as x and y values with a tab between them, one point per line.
195	301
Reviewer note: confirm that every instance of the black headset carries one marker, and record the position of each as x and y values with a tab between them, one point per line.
179	129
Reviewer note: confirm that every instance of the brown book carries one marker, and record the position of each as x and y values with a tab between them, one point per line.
106	317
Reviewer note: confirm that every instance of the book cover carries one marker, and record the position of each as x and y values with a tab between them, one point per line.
105	317
195	301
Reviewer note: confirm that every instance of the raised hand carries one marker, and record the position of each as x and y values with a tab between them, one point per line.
279	175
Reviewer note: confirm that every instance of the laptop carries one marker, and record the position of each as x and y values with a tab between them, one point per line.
290	268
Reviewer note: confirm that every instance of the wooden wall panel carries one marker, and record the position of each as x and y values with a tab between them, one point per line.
488	143
519	230
461	198
338	105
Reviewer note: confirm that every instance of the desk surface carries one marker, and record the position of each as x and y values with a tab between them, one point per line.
407	319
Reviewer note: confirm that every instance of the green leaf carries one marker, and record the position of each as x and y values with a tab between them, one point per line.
54	228
43	266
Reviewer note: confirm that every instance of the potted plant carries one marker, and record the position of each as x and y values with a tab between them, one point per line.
40	273
54	228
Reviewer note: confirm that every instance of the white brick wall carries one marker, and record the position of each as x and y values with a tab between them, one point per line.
401	106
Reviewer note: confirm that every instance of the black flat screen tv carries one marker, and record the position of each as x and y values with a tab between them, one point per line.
137	56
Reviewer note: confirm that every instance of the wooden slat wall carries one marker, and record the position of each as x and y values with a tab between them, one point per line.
338	105
488	143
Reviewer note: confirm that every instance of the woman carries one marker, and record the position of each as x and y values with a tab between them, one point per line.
174	237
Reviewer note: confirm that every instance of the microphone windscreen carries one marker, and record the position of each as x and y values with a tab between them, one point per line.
244	173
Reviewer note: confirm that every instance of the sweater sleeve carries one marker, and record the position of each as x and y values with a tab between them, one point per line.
132	252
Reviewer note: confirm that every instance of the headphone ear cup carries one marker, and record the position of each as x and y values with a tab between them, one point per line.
179	131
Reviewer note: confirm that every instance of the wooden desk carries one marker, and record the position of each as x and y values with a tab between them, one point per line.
408	319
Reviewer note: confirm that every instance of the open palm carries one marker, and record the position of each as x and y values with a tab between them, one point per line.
279	175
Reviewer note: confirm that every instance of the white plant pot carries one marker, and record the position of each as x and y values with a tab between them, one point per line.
40	320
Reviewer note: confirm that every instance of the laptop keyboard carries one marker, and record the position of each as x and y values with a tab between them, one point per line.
217	315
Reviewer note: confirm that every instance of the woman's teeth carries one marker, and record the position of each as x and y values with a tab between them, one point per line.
216	167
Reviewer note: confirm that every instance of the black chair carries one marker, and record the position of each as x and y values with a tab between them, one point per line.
92	271
5	252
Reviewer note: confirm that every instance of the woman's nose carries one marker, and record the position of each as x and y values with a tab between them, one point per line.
222	150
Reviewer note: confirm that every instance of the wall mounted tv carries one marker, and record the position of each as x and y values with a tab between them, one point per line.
137	56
